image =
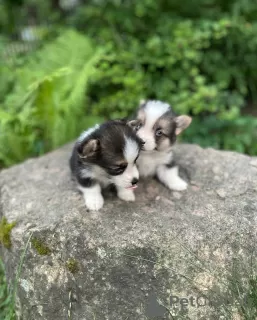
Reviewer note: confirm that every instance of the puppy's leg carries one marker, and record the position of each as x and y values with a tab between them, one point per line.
125	194
92	193
168	175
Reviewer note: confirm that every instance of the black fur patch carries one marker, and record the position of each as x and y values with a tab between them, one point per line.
171	164
86	182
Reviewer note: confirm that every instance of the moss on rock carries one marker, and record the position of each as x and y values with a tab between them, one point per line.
5	232
40	246
72	265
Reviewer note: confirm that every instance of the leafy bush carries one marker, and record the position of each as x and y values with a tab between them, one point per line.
178	67
46	106
239	134
205	68
198	55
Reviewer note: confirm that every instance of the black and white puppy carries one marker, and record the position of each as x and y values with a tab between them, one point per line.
158	126
103	155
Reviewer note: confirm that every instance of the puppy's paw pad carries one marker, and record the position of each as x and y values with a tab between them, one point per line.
94	203
126	195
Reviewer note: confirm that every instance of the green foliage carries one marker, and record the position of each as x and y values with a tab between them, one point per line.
238	135
46	106
202	67
6	298
8	292
198	55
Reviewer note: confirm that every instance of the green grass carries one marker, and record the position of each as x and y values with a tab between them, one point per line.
6	297
7	294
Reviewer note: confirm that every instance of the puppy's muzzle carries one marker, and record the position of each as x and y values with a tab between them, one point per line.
133	184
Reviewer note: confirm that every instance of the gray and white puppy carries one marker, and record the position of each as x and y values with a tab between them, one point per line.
158	126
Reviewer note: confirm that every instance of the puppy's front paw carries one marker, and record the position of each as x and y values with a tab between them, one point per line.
126	195
170	177
177	185
94	201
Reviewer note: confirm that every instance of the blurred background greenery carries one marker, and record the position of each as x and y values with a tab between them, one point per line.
66	64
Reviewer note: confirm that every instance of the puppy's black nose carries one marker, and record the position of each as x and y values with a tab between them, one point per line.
143	142
134	181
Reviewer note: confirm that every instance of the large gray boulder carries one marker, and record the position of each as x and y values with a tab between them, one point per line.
169	255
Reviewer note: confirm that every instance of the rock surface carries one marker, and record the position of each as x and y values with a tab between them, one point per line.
189	254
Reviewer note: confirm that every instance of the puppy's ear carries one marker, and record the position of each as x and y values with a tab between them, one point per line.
182	122
88	148
122	121
142	103
133	123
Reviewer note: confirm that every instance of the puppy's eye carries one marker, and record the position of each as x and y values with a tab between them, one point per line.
138	126
121	167
158	133
118	169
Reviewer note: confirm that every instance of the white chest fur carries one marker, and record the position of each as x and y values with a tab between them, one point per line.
149	160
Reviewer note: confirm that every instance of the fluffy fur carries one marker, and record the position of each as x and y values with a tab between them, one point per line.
103	155
158	126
